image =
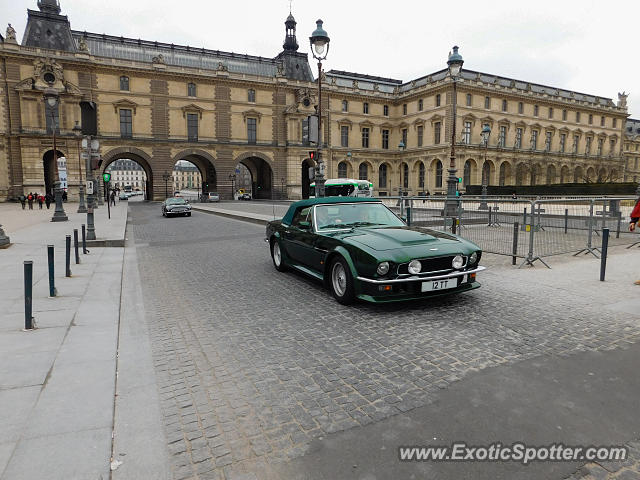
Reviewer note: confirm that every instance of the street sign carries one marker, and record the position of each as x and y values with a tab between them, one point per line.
90	187
106	177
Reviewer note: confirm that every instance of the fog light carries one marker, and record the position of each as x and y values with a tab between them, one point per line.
414	267
384	288
383	268
472	277
458	262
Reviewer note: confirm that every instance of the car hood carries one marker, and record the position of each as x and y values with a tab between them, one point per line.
390	238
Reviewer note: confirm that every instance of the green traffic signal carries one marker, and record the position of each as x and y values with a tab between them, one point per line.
106	177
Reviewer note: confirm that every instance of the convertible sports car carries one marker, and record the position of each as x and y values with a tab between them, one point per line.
361	249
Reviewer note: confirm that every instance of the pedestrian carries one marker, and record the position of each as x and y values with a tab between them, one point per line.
64	195
113	197
635	217
47	200
23	200
30	200
514	196
40	201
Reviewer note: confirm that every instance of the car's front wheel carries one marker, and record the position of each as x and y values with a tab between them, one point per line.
341	281
189	214
276	256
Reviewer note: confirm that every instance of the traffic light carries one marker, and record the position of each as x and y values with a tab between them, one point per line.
312	155
459	179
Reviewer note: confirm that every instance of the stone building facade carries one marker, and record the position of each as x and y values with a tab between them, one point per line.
127	172
160	103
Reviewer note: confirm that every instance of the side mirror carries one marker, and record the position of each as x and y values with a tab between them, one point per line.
305	225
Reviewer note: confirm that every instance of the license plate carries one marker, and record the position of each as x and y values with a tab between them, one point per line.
432	285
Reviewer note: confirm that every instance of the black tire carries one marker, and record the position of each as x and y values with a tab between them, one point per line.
276	256
341	281
189	214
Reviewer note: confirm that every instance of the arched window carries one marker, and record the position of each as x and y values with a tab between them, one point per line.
551	174
503	174
466	177
486	174
124	83
405	175
363	172
421	175
342	170
439	174
520	174
382	176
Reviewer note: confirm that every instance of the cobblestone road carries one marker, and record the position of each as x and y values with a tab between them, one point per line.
252	364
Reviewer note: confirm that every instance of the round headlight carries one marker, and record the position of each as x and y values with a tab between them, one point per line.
415	266
458	261
383	268
473	258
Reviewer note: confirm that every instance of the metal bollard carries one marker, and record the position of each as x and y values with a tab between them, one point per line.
566	219
84	240
524	218
515	243
52	280
619	214
28	295
603	256
68	257
75	245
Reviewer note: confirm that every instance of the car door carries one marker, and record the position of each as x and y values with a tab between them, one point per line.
293	235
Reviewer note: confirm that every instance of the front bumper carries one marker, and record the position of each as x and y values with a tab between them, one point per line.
409	288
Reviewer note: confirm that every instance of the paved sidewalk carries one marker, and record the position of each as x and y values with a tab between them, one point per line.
57	382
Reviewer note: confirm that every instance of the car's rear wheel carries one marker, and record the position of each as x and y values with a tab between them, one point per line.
276	256
341	281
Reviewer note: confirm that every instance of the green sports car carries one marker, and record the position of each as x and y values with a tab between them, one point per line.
360	249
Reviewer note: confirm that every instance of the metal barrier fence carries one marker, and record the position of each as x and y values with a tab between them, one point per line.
529	229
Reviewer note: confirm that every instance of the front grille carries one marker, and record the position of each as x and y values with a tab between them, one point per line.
429	265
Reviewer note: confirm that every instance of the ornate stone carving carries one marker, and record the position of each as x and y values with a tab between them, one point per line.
305	96
622	99
10	34
376	87
82	45
333	81
222	67
158	59
280	69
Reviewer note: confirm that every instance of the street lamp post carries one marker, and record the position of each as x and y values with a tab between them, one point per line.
283	188
77	130
52	99
232	177
486	132
165	177
401	148
455	67
319	41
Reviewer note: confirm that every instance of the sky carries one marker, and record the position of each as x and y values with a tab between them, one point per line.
584	46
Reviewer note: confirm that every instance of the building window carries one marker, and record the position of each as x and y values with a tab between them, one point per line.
612	146
420	105
563	139
251	95
252	133
547	141
550	112
191	89
564	115
600	144
534	139
420	135
535	110
363	172
438	174
342	170
590	119
502	137
469	99
382	176
577	117
466	133
466	175
520	107
192	127
126	130
615	122
518	143
404	136
502	176
437	127
405	175
587	148
365	137
385	110
421	175
438	98
504	105
365	107
602	120
124	83
404	109
576	138
385	139
344	136
487	102
345	106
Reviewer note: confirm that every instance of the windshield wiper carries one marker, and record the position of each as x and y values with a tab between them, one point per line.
335	225
361	224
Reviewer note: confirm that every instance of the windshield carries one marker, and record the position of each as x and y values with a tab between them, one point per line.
344	190
355	215
175	201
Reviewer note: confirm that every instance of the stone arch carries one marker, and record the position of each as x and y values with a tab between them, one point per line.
469	172
521	174
565	174
384	176
50	169
591	175
141	157
504	175
551	174
488	172
205	163
602	175
369	170
536	174
262	171
578	175
437	173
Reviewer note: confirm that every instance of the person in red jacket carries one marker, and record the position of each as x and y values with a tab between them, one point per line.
635	217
